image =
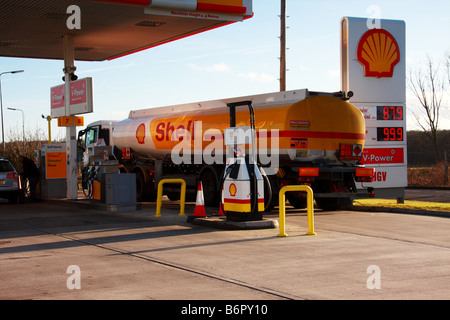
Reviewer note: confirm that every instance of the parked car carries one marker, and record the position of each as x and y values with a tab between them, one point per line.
10	187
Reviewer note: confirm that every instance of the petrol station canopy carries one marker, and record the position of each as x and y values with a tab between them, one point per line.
109	28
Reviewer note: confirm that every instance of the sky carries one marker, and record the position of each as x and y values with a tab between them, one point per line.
237	60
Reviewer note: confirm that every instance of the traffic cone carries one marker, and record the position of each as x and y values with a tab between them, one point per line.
199	211
221	210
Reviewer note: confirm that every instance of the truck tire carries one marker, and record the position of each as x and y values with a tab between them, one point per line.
297	199
210	183
140	186
329	204
271	190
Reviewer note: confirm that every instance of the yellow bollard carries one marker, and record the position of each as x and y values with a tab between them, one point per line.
160	194
309	205
282	210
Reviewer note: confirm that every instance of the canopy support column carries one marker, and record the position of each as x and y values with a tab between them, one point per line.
71	132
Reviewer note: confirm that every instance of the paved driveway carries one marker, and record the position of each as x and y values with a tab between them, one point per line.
133	255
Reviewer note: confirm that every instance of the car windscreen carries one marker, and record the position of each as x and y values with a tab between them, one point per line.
5	166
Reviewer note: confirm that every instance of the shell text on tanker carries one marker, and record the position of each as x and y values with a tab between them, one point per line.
164	131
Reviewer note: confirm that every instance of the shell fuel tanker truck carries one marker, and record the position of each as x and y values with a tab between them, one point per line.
303	137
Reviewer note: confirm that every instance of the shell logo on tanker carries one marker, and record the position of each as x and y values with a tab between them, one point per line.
379	53
140	134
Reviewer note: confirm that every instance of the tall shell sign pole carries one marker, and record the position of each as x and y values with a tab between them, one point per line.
373	67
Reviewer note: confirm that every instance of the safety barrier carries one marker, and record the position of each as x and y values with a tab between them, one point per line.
160	194
310	208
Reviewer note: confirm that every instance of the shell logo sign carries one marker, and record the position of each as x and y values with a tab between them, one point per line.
233	190
140	134
379	53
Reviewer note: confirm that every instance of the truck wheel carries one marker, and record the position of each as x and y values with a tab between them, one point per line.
140	186
210	188
173	196
329	204
271	190
297	199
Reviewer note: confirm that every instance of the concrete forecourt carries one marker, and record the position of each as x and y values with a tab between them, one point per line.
51	250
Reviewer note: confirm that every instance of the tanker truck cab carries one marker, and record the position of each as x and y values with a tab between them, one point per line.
98	140
96	134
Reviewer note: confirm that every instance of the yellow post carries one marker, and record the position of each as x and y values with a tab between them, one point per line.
159	199
310	212
282	210
309	205
49	120
160	194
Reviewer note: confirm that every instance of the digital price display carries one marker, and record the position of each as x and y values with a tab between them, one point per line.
390	134
389	113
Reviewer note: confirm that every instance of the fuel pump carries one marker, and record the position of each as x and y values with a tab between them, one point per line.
243	186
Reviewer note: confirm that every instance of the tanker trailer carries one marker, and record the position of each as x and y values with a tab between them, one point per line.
303	137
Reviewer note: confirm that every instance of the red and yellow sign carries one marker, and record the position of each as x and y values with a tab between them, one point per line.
379	53
373	156
70	121
219	6
231	6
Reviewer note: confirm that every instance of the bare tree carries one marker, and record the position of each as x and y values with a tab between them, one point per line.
34	138
429	87
447	63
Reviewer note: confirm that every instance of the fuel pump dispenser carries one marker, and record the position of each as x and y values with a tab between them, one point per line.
243	184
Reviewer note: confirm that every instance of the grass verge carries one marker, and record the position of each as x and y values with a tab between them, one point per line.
392	203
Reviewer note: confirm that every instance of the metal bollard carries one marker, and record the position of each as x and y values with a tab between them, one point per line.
310	208
160	194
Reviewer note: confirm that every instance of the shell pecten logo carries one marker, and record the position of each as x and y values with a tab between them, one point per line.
140	134
233	190
379	53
